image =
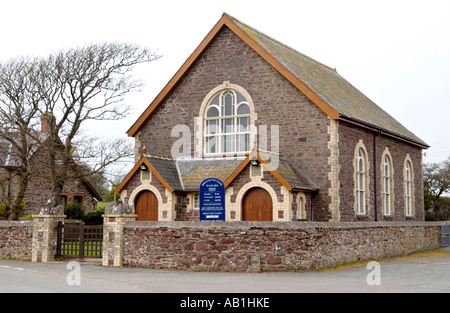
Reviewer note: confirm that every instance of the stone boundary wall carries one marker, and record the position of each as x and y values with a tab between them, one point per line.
261	246
16	240
243	246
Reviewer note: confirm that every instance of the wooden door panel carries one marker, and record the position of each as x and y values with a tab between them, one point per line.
257	206
146	206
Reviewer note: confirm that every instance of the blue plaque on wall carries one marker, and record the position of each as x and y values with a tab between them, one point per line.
212	200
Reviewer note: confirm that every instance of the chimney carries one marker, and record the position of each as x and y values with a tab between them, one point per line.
45	119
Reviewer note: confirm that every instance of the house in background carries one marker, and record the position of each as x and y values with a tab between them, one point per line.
39	189
337	157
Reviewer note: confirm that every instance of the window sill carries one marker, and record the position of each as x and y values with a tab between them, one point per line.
226	155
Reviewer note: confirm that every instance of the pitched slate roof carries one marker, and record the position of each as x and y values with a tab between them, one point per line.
293	176
167	169
8	156
187	174
194	171
328	84
320	83
4	152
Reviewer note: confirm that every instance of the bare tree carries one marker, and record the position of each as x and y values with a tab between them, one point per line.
63	91
85	84
19	102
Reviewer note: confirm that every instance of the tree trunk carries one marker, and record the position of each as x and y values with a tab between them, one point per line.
56	193
14	205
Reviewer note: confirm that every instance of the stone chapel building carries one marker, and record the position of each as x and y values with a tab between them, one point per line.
290	138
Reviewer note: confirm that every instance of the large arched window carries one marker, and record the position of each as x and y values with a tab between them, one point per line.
227	124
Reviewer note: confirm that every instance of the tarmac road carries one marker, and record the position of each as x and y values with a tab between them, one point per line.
424	274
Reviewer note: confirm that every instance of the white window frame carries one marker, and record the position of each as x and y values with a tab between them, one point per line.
409	188
387	175
361	207
195	201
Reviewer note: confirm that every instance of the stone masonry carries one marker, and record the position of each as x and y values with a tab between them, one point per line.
15	240
45	237
226	247
291	246
229	60
113	241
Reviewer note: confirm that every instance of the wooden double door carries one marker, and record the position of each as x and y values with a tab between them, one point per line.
146	206
257	206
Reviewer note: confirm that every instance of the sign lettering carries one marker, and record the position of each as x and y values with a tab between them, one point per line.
212	200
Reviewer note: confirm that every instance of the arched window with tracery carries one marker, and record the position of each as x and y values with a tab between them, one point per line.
227	124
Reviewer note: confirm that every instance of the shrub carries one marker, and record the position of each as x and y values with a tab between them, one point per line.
19	211
430	216
30	216
94	217
73	211
2	212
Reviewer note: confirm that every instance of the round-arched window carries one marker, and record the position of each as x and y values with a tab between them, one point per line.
361	182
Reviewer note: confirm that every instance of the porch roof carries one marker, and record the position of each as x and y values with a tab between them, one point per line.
187	174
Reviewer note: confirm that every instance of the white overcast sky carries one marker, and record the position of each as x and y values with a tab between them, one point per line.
396	52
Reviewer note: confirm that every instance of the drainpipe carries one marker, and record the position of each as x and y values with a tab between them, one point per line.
375	171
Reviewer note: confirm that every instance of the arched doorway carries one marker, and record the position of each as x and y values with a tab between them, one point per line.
146	206
257	205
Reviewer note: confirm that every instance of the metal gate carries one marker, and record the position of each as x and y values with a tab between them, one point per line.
445	235
79	241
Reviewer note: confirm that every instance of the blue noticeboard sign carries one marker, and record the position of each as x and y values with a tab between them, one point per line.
212	200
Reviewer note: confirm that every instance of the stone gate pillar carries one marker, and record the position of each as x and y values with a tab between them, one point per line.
45	233
113	241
